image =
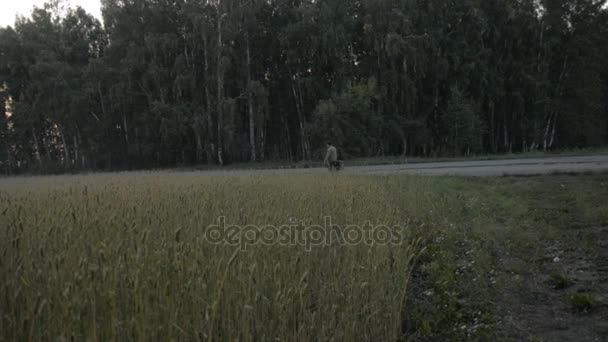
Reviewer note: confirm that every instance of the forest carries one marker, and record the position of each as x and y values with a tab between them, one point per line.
171	83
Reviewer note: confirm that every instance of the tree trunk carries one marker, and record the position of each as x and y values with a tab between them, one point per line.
546	133
549	135
76	152
262	143
82	153
210	150
36	147
125	128
220	86
47	149
505	136
552	137
199	143
298	102
250	101
9	160
66	151
288	135
492	126
300	122
103	107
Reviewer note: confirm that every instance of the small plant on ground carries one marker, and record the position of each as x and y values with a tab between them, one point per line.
582	303
559	281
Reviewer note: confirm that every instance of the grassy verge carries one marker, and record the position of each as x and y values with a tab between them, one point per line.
533	264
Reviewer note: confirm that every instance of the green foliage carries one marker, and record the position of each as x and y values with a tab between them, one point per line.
559	281
462	125
449	78
582	303
348	119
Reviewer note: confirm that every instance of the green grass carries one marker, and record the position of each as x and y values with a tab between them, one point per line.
582	303
533	233
559	281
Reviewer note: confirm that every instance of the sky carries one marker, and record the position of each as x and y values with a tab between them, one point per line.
9	9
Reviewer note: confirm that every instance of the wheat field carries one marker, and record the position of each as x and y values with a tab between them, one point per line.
124	257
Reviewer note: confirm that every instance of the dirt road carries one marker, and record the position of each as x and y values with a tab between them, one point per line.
531	166
527	166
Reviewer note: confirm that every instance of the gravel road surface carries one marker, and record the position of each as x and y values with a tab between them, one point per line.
480	168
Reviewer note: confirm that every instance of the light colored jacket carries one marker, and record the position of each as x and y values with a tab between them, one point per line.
332	154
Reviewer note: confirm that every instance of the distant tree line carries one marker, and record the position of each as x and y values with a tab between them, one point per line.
166	83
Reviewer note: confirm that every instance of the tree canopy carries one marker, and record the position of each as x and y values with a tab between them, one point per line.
165	83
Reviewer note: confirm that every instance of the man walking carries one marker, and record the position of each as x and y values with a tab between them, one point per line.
331	158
